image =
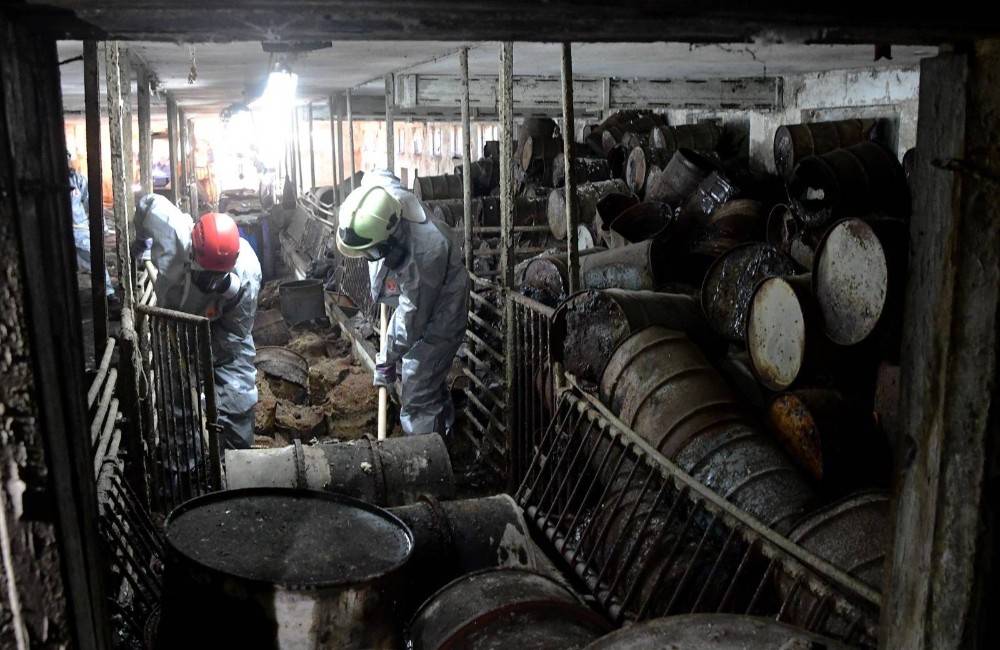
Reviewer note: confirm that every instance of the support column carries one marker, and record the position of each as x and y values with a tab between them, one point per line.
119	185
943	586
175	194
95	208
505	97
463	61
312	149
184	150
145	136
390	127
193	171
340	156
333	149
300	180
569	134
125	70
350	135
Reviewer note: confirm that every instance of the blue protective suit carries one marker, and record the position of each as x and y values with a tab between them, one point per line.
233	350
79	196
430	290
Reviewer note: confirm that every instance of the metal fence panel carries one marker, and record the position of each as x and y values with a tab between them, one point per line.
183	440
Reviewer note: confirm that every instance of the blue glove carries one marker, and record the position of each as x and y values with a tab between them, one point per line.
385	374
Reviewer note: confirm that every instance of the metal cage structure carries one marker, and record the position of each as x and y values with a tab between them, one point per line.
645	539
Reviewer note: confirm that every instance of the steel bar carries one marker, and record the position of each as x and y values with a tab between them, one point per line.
390	126
312	148
185	161
145	136
505	94
102	372
172	146
334	153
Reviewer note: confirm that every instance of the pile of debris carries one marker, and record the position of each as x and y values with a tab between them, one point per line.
309	385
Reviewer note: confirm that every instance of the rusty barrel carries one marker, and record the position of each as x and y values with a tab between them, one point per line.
452	211
851	279
730	283
270	328
634	267
609	208
446	186
793	142
783	330
590	325
545	278
254	569
504	608
392	472
855	535
287	371
860	179
528	211
710	194
642	222
587	197
452	538
714	632
697	137
640	160
584	170
662	386
832	439
680	178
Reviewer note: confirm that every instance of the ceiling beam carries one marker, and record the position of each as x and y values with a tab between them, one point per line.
592	95
519	20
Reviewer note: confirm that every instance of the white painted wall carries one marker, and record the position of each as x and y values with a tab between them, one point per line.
838	94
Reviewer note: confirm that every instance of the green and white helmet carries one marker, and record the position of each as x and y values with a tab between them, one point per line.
367	218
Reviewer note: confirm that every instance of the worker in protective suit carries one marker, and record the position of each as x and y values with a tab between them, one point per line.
79	198
416	265
207	269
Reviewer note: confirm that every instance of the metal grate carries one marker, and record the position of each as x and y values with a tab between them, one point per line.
134	552
647	540
182	439
354	282
533	390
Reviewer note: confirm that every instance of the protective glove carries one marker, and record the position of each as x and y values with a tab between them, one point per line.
385	375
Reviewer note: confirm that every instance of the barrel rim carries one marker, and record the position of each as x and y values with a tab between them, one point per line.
222	495
588	615
769	383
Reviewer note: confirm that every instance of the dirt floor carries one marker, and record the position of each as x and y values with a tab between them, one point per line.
338	401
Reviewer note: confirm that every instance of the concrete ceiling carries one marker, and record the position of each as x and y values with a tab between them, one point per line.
225	71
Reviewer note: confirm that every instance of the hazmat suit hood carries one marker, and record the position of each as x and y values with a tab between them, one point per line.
430	288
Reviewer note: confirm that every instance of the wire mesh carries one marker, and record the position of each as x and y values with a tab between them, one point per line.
647	540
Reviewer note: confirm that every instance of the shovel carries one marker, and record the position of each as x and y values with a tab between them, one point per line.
383	392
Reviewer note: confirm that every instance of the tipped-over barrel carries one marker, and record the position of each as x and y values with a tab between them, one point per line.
393	472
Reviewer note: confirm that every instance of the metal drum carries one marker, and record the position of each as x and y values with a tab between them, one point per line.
714	632
302	300
253	569
500	609
392	472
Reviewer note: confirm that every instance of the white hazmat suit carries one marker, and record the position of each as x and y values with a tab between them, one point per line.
233	350
430	289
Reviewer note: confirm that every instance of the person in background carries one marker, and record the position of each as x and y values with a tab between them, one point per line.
79	196
416	265
207	269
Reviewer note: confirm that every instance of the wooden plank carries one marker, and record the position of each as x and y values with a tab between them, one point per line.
942	586
53	570
390	127
175	193
463	64
95	189
350	135
572	236
592	95
120	188
145	135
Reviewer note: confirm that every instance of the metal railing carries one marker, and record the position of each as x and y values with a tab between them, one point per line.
645	539
533	392
182	436
133	547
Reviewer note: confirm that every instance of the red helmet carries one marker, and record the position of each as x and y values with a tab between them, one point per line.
216	242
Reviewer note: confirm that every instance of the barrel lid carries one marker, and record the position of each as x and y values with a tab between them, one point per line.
298	539
776	333
851	280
